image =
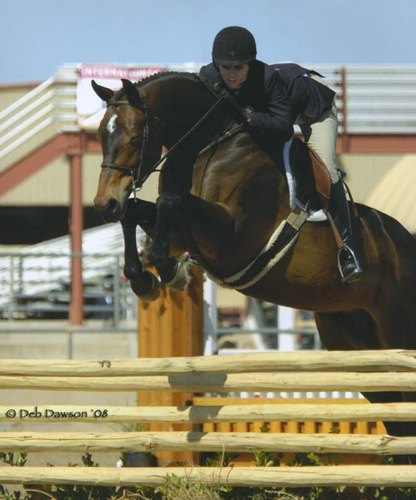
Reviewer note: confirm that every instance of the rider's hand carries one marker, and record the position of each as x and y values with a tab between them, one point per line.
239	114
247	113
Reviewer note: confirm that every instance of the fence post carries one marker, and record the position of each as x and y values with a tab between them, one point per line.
170	326
76	313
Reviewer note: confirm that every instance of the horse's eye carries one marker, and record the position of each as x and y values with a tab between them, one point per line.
135	140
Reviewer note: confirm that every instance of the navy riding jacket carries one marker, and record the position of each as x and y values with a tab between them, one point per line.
278	94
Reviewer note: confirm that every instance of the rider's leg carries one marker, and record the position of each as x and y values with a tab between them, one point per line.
321	136
322	139
349	265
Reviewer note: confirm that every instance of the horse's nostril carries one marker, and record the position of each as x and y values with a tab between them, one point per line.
112	206
110	210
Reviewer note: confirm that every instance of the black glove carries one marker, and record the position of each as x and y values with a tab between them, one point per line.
232	103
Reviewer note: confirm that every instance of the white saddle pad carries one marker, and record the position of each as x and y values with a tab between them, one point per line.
314	216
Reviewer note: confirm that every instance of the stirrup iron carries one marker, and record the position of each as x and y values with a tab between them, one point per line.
354	275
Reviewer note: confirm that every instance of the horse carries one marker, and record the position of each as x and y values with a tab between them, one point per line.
222	197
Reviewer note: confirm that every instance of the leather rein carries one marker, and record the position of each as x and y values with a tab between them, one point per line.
134	172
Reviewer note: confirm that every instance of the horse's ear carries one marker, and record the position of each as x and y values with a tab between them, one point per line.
103	92
133	94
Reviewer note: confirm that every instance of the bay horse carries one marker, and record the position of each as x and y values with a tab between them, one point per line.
222	198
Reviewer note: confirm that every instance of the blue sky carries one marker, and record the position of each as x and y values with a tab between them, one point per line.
38	36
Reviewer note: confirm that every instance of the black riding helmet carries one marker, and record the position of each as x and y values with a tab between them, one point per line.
233	46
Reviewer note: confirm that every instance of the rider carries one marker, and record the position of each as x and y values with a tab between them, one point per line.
273	99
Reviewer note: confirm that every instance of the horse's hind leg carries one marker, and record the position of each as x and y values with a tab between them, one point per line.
347	330
396	428
396	326
358	330
408	428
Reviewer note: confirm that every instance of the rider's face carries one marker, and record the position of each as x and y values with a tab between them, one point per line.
234	76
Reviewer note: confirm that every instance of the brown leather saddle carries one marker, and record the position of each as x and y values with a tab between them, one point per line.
313	183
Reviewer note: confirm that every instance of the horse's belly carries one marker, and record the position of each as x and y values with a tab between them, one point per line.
324	294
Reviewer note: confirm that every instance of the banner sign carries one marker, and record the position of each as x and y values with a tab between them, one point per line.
90	108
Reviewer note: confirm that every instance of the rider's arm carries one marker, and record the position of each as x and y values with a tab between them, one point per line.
278	117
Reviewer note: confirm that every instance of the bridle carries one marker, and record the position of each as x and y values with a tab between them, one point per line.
135	171
116	166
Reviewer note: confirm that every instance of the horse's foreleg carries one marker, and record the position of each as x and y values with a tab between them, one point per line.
143	283
143	213
207	227
159	251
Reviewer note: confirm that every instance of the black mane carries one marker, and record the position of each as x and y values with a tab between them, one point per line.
166	75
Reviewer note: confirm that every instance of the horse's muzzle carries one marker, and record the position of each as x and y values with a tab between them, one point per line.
110	209
112	193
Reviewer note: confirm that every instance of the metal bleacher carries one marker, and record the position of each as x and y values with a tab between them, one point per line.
39	115
40	274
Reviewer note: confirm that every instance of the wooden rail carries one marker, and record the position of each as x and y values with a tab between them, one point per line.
206	441
350	412
387	475
367	361
350	371
217	382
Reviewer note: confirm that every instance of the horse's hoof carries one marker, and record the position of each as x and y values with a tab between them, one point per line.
180	280
154	290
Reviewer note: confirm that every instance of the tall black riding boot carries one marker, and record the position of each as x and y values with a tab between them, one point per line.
348	263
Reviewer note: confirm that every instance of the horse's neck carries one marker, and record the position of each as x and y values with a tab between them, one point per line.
184	107
187	129
178	169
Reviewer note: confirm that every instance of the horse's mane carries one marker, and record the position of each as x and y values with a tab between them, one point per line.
167	75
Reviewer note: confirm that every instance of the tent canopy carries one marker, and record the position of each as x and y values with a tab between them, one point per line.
395	194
